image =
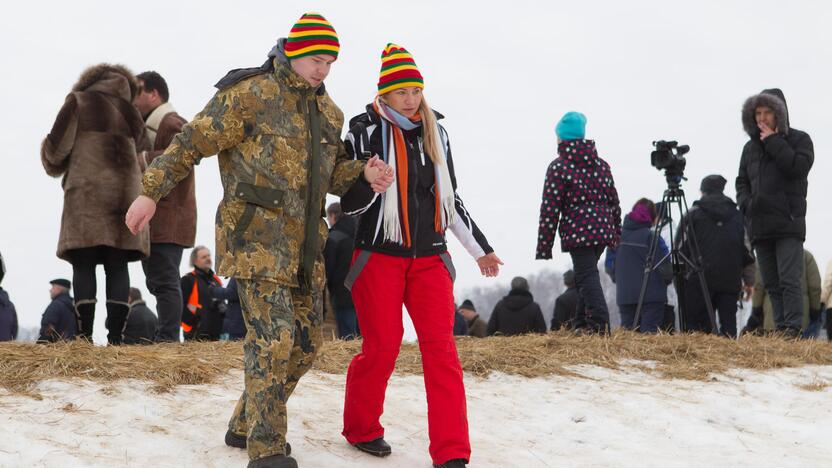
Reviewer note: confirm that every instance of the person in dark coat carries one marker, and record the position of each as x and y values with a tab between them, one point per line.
566	305
517	313
141	322
718	228
580	200
460	326
625	266
8	317
233	326
8	314
477	327
173	227
337	260
202	313
771	192
59	321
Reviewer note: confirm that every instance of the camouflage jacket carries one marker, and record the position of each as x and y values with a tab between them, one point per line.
268	130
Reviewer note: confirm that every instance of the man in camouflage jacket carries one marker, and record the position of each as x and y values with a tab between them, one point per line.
277	133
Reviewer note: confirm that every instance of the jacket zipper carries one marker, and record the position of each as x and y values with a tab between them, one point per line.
415	230
759	174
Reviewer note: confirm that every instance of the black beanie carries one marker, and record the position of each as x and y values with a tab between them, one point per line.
713	184
467	304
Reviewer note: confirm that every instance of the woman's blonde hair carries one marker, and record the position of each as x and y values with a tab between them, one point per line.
431	139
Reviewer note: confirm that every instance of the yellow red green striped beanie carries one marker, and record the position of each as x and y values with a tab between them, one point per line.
398	70
312	35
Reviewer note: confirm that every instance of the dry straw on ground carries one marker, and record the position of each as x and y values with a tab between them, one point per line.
694	357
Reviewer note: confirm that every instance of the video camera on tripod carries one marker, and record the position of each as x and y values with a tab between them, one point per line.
669	156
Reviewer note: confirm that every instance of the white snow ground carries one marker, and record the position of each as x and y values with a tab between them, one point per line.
612	418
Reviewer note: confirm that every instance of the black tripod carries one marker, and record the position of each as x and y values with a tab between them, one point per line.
683	266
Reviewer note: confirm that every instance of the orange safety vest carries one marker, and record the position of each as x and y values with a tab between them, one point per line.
193	300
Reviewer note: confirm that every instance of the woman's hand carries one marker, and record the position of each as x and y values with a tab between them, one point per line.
139	214
489	265
378	174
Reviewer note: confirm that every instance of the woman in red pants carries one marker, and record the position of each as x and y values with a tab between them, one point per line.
401	259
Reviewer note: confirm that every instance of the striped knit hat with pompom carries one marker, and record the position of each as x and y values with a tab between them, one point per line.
312	35
398	70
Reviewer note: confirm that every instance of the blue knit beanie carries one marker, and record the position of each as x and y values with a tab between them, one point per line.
572	126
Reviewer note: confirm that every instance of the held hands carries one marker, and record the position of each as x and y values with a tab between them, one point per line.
765	131
141	211
489	265
378	174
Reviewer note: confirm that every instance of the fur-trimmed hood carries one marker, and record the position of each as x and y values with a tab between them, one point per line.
772	98
108	78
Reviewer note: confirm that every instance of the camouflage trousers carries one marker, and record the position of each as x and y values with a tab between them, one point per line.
283	336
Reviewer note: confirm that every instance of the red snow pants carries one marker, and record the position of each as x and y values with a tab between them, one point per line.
424	286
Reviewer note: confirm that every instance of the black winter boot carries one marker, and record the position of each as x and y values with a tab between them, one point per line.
238	441
456	463
274	461
234	440
377	448
116	321
85	316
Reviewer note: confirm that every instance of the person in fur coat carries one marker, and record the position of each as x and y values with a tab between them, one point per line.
772	185
92	146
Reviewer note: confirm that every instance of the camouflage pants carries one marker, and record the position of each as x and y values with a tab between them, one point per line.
282	339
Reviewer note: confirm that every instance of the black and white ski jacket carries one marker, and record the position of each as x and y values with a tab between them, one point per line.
364	141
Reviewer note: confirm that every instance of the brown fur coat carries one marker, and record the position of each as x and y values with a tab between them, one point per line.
93	145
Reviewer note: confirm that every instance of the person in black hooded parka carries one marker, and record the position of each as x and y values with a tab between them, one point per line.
720	234
517	313
771	193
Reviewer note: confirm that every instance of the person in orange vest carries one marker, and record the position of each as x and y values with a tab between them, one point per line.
202	314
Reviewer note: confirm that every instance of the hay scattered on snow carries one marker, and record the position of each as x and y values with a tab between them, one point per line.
692	357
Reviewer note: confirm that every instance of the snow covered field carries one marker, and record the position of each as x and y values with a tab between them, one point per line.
611	418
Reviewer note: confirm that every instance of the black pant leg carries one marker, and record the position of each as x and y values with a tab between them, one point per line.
726	306
790	266
161	270
117	275
588	281
696	310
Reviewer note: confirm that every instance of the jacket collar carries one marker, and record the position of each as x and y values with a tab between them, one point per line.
285	74
156	115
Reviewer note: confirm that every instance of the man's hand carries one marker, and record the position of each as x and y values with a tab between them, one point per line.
378	174
141	211
765	131
489	265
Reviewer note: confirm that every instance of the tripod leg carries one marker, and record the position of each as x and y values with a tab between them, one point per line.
650	260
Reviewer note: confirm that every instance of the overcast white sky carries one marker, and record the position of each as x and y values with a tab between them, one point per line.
502	72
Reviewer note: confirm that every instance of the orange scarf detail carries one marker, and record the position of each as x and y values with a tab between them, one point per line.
402	166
